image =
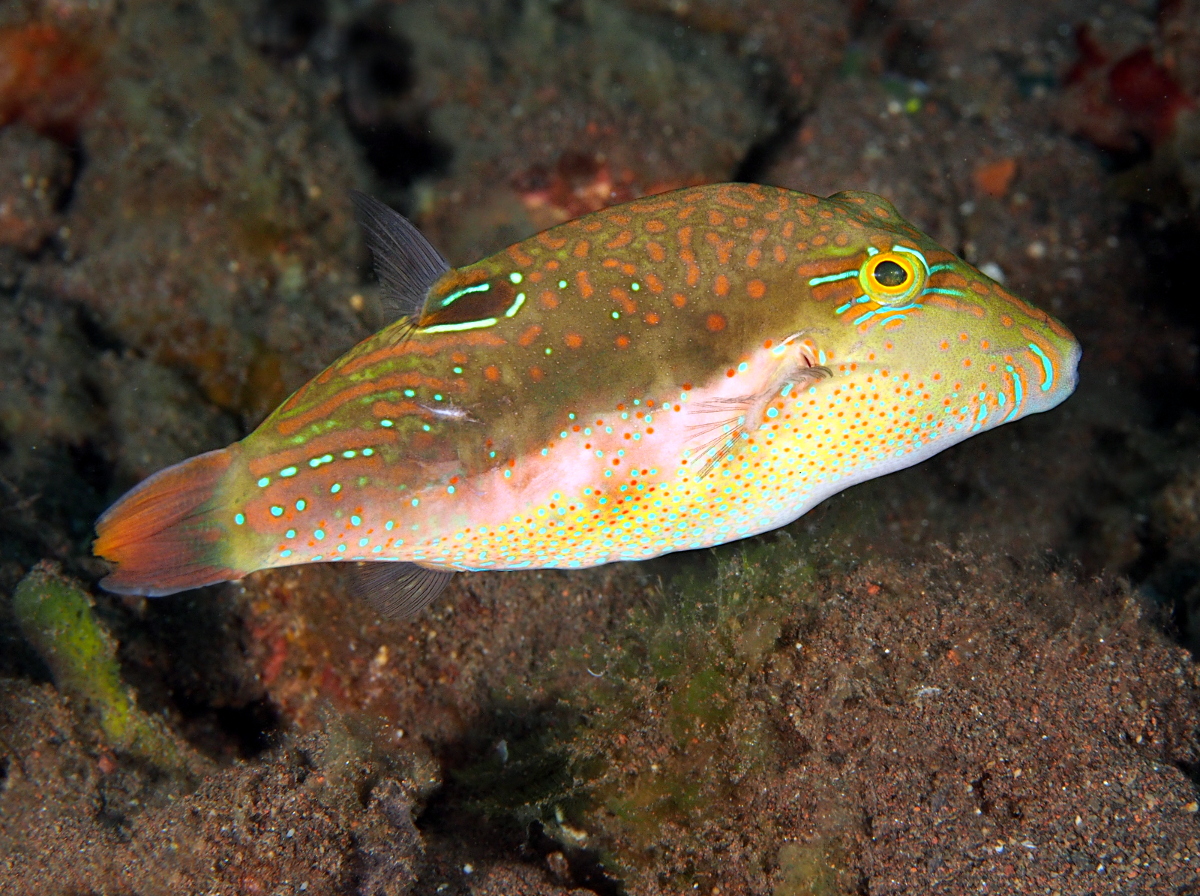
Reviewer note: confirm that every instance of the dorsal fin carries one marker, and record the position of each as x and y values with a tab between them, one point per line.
398	590
405	263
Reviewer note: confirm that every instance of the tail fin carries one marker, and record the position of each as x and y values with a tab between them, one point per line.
164	534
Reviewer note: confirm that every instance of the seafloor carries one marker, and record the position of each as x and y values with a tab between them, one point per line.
975	676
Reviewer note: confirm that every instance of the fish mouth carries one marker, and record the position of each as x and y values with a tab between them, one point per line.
1071	365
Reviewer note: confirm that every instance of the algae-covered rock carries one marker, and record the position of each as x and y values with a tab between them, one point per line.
55	615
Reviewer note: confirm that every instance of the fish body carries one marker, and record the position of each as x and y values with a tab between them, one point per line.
673	373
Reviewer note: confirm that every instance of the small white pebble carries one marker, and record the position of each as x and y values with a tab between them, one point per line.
993	270
468	868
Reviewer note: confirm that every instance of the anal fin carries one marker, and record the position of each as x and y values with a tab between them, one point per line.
398	590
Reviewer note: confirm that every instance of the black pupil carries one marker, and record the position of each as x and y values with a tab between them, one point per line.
888	273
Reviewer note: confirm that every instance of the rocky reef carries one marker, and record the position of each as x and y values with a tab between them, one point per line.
976	674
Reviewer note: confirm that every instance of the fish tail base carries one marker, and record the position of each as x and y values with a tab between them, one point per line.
165	535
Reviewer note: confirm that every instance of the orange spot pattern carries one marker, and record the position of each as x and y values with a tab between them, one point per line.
639	480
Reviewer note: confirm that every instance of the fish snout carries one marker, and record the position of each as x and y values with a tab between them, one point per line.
1071	367
1064	374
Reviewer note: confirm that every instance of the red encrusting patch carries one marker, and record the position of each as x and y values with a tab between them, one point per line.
47	79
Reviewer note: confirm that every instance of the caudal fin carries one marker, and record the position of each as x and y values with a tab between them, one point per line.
165	535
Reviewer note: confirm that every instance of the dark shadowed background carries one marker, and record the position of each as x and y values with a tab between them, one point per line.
975	675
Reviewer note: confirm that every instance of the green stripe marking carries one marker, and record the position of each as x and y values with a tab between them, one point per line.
1047	367
479	287
830	278
455	328
516	306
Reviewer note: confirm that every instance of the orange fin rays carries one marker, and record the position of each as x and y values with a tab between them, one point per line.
163	535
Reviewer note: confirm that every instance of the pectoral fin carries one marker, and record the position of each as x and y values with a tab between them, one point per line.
399	590
730	421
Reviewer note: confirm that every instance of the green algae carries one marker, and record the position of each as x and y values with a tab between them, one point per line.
810	869
637	741
688	679
56	616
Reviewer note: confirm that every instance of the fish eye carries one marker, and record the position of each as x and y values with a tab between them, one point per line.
890	274
890	278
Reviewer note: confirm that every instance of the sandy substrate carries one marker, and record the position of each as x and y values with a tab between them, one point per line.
972	676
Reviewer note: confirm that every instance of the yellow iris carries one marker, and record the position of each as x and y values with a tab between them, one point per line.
890	278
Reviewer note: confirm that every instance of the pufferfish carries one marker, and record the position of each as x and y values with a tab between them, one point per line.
673	373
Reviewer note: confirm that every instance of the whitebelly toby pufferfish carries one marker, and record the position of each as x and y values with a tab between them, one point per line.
673	373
